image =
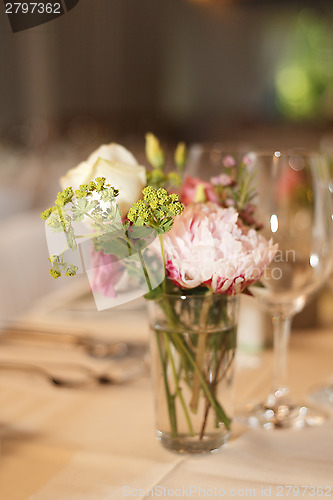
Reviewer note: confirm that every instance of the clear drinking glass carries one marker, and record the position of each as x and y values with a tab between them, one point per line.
293	205
193	345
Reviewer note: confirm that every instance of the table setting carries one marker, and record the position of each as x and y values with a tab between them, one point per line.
128	380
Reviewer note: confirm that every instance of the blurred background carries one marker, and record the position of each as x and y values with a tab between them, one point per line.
258	73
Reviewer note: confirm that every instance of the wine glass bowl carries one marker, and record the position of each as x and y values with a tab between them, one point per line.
293	207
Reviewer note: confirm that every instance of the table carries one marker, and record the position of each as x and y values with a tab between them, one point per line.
98	443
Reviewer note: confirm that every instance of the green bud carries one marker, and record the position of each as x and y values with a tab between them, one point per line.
200	194
180	155
154	152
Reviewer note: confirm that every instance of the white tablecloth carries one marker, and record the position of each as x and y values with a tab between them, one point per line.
98	443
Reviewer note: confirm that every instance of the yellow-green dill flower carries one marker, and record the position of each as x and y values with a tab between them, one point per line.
153	203
71	270
150	197
176	208
46	214
149	193
137	211
154	152
82	191
132	214
55	273
162	195
100	183
64	197
180	155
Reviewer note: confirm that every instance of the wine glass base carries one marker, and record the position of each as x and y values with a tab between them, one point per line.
281	415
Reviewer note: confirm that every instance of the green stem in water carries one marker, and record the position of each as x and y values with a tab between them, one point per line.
200	351
215	405
170	398
178	389
224	350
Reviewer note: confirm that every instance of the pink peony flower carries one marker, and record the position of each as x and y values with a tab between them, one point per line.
191	189
207	247
107	272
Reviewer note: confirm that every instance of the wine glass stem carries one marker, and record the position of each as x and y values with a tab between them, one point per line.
281	330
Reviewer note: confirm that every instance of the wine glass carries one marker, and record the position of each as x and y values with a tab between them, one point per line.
323	394
293	205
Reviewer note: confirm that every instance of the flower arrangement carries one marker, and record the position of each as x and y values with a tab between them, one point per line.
211	249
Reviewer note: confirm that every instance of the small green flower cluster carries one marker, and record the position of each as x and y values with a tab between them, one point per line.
66	196
58	266
156	210
97	185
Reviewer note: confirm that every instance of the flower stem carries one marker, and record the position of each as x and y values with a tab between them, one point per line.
163	258
170	399
177	388
215	405
200	352
216	379
145	270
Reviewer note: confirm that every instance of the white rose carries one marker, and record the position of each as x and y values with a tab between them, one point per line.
120	169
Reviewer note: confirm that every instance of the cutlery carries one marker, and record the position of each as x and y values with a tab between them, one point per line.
97	348
89	375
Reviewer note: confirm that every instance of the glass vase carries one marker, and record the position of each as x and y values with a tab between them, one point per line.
193	345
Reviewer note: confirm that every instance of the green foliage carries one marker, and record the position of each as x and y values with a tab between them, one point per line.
146	219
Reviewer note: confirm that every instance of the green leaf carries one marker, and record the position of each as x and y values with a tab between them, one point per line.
156	293
141	232
71	241
58	224
117	247
82	207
